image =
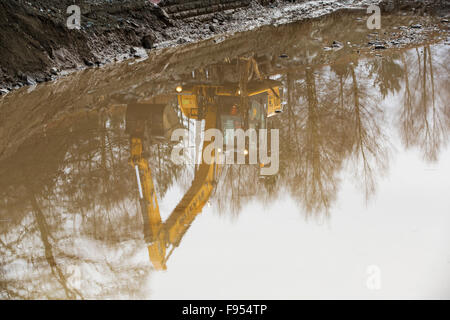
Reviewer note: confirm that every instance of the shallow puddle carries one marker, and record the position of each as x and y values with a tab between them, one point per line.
93	204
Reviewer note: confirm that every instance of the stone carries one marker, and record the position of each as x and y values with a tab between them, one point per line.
148	41
88	63
30	81
336	44
182	40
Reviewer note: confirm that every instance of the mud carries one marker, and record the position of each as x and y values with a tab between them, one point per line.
340	37
36	46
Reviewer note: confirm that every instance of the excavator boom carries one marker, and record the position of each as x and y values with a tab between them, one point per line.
159	235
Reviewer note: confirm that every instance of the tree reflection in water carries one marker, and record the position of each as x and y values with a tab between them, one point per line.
70	188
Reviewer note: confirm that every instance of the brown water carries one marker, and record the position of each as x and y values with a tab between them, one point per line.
358	209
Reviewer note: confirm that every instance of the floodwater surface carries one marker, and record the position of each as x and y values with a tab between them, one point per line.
93	205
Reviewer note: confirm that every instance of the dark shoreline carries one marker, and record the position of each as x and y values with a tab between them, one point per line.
36	46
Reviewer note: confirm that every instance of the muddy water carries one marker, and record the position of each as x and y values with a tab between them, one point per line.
359	207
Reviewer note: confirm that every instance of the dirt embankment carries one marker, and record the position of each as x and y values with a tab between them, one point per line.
37	46
36	43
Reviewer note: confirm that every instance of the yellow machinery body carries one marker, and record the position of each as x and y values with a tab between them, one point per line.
188	99
196	102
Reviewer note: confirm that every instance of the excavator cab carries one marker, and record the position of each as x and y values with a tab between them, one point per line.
264	93
235	108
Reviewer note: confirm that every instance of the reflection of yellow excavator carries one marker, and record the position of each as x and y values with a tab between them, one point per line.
159	235
189	95
268	90
218	106
244	94
235	109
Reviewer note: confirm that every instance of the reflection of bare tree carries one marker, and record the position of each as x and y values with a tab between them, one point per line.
340	121
316	156
165	172
234	191
330	117
387	74
84	192
368	140
44	231
317	179
423	120
71	187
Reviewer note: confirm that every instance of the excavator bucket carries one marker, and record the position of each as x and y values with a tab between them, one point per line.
160	120
138	115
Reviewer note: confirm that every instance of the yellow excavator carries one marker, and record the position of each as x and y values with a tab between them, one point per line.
218	105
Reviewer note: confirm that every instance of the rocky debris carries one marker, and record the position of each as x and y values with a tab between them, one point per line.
30	81
54	71
88	62
337	44
423	7
110	27
148	41
138	52
183	40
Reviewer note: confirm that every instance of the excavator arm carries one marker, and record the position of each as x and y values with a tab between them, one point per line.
148	201
159	235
